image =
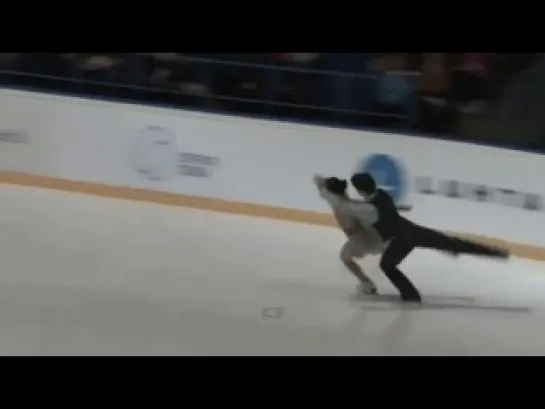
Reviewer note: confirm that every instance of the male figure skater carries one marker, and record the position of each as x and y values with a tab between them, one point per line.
401	236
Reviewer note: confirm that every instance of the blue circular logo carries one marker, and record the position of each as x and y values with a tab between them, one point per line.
388	173
153	153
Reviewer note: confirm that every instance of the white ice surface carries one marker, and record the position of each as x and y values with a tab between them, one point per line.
81	275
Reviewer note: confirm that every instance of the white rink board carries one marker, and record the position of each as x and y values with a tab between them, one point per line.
26	139
272	163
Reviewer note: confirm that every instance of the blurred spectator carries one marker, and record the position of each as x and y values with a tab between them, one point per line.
159	70
504	67
296	85
98	67
176	79
239	86
294	58
434	90
521	107
395	90
353	92
470	82
171	71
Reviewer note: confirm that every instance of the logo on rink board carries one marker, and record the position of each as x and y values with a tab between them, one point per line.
388	173
154	155
391	176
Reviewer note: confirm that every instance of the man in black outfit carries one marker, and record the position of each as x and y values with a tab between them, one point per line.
403	236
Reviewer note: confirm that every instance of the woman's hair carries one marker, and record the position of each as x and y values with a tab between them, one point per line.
364	182
336	185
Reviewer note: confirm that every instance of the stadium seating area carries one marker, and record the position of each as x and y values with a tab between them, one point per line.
488	97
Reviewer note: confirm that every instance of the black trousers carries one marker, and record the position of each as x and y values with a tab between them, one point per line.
410	236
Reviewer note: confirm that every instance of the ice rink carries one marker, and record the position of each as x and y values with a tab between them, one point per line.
81	275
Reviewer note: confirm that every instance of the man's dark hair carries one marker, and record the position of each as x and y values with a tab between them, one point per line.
336	185
364	182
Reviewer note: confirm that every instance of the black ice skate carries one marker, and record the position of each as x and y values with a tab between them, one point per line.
411	297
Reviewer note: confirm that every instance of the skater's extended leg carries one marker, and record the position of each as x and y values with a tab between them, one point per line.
461	246
432	239
395	253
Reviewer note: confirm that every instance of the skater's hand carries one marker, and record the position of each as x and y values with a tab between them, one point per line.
319	180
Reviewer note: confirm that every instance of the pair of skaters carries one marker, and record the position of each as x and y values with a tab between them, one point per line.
374	226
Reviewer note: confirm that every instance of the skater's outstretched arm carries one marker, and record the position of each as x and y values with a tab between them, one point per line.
319	181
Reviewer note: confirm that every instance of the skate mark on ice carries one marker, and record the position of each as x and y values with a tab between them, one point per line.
385	297
383	302
445	306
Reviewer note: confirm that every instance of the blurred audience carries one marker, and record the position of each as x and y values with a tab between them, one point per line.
434	92
495	97
395	90
470	78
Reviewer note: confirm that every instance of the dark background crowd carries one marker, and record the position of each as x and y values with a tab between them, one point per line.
487	97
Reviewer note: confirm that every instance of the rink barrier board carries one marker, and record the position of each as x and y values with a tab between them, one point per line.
223	206
105	142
